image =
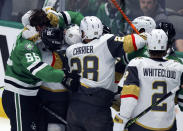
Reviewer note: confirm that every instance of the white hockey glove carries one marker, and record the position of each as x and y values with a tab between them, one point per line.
133	42
140	40
30	33
25	18
119	123
144	35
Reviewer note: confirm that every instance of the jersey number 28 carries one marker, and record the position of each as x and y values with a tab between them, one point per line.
89	66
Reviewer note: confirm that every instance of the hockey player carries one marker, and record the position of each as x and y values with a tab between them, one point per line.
57	19
94	59
146	81
169	30
142	24
24	73
54	95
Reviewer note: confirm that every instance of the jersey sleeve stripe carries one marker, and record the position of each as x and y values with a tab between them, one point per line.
133	41
20	86
65	18
68	17
54	59
33	64
36	66
20	82
39	68
130	90
127	96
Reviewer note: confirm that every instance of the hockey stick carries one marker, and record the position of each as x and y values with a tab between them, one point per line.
124	15
54	114
130	122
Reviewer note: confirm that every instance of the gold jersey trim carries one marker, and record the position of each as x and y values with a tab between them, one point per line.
117	119
53	90
85	85
130	89
128	44
58	62
154	129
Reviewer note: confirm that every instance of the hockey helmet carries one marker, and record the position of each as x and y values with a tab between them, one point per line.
144	23
72	35
92	27
52	38
157	40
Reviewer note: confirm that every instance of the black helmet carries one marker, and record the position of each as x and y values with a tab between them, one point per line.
52	38
169	29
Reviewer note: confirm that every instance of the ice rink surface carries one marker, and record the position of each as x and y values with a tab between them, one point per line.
5	124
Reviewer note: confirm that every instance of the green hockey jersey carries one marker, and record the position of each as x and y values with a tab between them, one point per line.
25	69
144	53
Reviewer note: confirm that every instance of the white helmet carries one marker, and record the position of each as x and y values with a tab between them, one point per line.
157	40
72	35
92	27
144	22
25	18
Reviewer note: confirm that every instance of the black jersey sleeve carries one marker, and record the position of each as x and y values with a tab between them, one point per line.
115	45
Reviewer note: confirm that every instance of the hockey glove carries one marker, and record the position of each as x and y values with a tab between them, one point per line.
133	42
119	123
30	33
116	102
106	29
71	80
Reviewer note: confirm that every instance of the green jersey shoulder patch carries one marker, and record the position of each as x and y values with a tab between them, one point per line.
29	46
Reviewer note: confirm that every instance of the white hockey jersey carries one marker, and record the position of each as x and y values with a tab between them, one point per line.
154	78
54	60
95	61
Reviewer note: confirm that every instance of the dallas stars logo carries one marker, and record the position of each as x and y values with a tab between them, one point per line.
29	46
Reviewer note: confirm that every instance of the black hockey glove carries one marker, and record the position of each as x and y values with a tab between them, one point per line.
71	80
106	29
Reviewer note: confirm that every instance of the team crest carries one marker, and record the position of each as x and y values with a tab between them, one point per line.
29	46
